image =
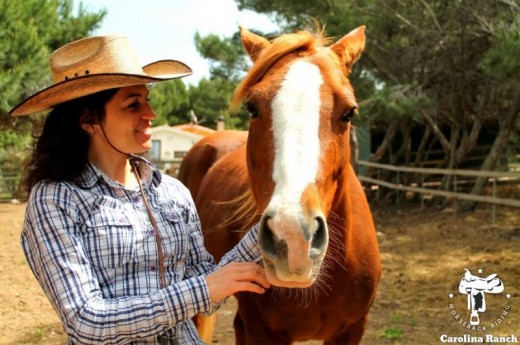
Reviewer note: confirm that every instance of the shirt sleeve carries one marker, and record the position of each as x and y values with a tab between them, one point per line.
199	261
245	251
57	258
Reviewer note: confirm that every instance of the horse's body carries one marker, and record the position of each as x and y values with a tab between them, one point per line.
292	175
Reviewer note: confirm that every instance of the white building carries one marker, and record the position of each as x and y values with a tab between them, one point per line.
171	143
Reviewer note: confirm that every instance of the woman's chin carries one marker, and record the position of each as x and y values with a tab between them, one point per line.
146	145
139	149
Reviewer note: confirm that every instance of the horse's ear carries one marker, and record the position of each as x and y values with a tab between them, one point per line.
253	44
350	47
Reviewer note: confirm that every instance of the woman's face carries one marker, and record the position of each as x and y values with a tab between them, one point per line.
128	119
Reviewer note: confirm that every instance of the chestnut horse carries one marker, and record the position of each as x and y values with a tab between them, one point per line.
291	175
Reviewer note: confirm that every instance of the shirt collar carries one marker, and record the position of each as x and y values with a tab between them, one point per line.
92	174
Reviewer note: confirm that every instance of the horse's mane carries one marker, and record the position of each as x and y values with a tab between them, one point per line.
304	42
244	208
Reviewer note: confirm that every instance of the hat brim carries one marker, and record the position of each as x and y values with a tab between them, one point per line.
88	84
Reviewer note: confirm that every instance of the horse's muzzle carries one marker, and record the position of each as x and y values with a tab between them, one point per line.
292	248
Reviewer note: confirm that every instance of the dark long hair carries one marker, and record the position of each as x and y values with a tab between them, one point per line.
60	150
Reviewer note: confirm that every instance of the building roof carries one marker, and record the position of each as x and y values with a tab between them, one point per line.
195	129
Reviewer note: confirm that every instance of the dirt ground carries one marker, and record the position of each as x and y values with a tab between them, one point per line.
424	254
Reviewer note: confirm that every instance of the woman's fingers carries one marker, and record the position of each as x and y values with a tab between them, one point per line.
250	287
248	271
236	277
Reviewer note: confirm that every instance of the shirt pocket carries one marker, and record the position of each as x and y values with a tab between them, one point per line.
175	236
110	238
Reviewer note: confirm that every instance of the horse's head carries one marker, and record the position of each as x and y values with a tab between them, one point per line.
300	102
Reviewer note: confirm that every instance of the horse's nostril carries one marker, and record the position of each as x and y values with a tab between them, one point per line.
266	238
319	238
270	244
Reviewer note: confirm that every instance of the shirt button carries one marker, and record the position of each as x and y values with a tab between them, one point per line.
152	268
151	232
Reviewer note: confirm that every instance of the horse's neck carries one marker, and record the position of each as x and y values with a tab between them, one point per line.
341	207
342	200
351	225
343	212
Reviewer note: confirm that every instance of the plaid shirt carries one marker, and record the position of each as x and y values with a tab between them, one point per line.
92	248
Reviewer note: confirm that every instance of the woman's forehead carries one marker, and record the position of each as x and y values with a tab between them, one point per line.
127	91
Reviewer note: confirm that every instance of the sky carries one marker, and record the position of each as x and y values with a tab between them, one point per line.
165	29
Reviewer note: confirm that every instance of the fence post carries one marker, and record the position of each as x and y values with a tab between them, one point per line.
398	183
455	197
379	186
494	207
422	194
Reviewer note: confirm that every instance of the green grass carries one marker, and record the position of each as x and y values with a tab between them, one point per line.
39	335
395	331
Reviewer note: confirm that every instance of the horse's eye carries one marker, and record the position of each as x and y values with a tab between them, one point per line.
252	110
346	117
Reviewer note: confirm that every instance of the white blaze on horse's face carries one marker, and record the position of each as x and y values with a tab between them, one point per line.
294	238
296	120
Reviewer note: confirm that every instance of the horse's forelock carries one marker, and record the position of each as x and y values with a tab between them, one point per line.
303	41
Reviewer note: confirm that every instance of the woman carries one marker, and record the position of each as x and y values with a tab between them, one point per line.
115	244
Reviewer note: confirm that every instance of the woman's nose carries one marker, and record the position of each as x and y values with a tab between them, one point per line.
149	113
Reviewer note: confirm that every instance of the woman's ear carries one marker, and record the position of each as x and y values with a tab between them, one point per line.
87	121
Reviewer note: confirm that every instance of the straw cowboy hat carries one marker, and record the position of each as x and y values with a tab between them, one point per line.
95	64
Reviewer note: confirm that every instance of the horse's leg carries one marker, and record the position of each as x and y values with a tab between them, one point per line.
240	332
352	336
205	326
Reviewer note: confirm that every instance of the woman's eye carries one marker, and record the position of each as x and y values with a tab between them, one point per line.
347	116
252	110
134	105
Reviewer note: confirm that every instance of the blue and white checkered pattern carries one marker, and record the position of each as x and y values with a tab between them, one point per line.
91	246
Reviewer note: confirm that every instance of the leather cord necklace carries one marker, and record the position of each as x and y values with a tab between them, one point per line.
162	273
133	163
168	337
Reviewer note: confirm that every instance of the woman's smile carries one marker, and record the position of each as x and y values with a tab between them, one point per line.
144	133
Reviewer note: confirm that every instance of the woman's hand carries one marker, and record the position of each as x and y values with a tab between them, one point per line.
235	277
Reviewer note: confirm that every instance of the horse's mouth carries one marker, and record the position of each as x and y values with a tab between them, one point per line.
290	280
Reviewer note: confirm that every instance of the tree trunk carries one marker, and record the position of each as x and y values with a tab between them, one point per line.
387	141
505	129
470	138
437	132
422	146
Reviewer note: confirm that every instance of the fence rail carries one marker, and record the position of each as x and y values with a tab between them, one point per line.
460	172
9	180
455	195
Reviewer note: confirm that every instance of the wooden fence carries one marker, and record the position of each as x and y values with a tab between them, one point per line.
170	167
454	195
9	180
9	183
8	187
